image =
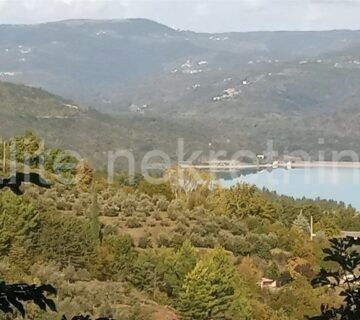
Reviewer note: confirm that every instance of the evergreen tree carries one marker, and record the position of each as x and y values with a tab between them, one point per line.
182	263
19	223
67	241
26	148
209	290
60	162
328	226
114	258
302	223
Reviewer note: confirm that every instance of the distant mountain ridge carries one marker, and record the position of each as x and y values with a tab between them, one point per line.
99	61
233	90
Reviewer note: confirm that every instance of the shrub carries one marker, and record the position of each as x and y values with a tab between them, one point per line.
162	205
182	219
199	230
62	204
210	227
163	241
152	223
144	242
133	223
252	222
77	208
196	240
128	206
177	240
238	228
208	242
110	210
165	223
240	247
145	206
225	222
157	215
226	240
180	228
173	215
175	209
154	189
260	245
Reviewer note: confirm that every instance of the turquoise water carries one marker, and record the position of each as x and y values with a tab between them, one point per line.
342	185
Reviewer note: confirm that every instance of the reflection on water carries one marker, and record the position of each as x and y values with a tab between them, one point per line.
234	174
342	185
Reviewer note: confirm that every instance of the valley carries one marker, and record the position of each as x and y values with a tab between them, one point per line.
232	91
86	103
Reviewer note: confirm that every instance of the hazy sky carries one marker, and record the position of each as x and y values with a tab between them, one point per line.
198	15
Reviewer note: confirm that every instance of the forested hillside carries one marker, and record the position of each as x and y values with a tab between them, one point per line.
142	251
232	90
65	124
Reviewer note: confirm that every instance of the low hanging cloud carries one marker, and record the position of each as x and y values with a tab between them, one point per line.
198	15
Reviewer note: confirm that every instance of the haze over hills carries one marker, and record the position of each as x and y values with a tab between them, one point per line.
98	62
232	90
86	131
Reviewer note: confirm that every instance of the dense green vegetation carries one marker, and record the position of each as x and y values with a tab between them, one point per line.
87	132
137	251
142	251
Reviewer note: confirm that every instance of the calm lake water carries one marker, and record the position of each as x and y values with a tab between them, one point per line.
325	183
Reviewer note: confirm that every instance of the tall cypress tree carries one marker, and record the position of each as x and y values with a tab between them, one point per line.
94	212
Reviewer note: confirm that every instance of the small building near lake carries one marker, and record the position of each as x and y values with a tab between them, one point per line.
266	283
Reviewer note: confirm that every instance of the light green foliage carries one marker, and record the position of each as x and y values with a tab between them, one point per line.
144	274
26	149
60	162
209	291
243	201
29	149
328	226
302	223
113	258
181	264
19	223
163	189
142	246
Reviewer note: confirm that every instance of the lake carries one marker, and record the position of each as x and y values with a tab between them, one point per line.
337	184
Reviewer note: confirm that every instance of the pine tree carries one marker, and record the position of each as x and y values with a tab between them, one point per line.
209	290
178	267
18	221
67	241
27	148
328	226
302	223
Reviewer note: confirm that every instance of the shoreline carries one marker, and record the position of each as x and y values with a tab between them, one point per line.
292	165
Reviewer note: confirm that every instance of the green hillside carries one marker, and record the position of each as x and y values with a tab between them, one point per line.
160	252
64	124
